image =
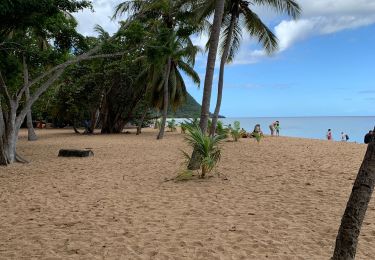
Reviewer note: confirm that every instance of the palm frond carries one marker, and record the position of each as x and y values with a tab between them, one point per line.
258	29
189	71
129	6
103	34
290	7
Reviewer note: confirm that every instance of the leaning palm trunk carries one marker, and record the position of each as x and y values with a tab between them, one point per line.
165	100
205	110
224	59
31	136
351	222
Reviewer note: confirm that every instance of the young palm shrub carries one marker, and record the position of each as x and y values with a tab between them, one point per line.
236	131
207	148
220	129
172	125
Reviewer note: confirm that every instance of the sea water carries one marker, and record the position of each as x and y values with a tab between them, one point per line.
312	127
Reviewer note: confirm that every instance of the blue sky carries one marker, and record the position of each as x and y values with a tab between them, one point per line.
325	65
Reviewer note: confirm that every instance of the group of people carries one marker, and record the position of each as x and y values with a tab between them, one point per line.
369	137
275	128
344	137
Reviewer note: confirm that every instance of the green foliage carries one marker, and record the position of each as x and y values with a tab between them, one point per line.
258	136
172	125
22	14
236	131
207	148
220	129
239	14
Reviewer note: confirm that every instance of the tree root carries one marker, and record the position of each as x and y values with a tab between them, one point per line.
19	159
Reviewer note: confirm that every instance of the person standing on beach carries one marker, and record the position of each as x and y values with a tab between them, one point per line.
329	135
344	137
273	127
277	128
369	137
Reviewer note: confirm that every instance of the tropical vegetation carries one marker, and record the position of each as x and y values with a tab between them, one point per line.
207	147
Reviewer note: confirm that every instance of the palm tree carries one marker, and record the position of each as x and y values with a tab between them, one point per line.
194	162
166	61
207	147
235	12
175	52
352	219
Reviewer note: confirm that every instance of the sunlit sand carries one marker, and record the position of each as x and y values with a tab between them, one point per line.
283	199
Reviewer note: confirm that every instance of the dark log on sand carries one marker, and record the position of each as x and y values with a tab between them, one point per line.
75	153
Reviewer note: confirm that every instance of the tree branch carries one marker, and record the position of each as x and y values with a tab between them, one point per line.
25	78
35	96
63	66
4	89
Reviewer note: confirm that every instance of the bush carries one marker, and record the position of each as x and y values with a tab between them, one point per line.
236	131
172	125
220	129
207	148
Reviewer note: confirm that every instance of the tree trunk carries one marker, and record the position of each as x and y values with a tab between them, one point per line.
8	135
4	160
31	136
139	128
351	222
224	59
165	100
211	59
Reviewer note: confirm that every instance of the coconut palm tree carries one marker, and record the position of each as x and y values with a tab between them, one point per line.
174	49
166	59
238	15
194	162
355	212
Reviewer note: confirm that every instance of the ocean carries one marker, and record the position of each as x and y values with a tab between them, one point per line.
312	127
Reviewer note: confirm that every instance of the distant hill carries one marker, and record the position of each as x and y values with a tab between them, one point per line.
191	109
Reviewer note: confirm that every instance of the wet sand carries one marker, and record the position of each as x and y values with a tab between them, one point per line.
283	199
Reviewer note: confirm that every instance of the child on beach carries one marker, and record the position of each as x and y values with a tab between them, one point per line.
257	133
329	135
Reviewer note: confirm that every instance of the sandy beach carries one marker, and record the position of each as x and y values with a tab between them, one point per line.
282	199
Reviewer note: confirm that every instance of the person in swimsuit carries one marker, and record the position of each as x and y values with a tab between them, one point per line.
329	135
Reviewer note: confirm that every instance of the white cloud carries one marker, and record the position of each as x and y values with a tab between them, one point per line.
289	32
103	11
249	57
319	17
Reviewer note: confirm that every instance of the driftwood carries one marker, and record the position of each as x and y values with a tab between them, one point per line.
75	153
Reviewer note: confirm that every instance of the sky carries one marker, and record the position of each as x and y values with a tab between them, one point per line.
325	64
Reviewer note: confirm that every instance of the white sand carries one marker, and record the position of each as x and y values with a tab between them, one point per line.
283	199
